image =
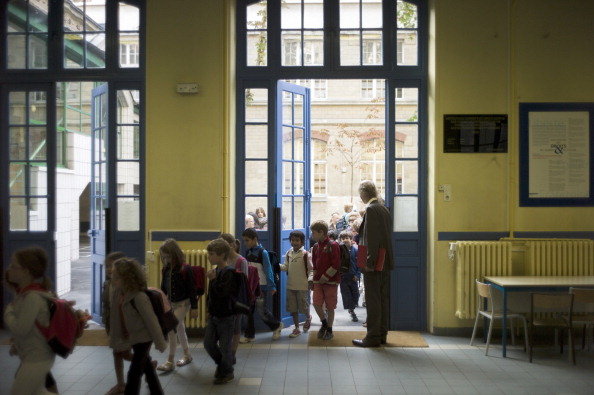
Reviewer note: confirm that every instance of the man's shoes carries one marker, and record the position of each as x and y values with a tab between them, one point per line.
224	379
296	332
277	332
364	343
245	340
322	332
328	335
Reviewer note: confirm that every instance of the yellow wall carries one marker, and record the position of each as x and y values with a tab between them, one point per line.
486	57
489	57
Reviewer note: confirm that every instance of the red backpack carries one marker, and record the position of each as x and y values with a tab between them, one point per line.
199	275
65	325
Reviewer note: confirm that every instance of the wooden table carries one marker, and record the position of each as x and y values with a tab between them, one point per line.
533	284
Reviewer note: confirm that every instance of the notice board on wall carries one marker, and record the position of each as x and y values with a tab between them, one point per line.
475	133
556	167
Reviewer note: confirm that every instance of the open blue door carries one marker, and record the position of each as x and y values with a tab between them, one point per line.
99	202
292	194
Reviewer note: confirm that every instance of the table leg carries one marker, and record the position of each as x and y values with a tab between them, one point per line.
504	325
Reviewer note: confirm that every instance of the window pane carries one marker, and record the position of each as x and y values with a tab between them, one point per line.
128	214
406	213
313	51
349	14
298	145
17	179
256	141
291	48
37	106
128	178
252	203
372	14
256	174
287	213
288	180
16	58
129	17
37	143
407	179
407	141
350	43
38	214
407	108
291	16
95	50
298	210
298	178
406	15
18	144
18	214
288	143
38	51
372	48
17	108
407	48
313	14
256	105
257	39
38	180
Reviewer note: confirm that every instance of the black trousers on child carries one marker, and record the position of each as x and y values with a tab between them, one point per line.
142	364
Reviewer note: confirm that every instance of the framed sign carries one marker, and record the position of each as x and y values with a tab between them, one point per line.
475	133
556	167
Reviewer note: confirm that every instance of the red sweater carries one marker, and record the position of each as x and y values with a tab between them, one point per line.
326	262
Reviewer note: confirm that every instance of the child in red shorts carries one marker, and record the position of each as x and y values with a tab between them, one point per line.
326	276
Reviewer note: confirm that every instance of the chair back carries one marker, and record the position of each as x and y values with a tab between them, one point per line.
551	303
485	291
583	300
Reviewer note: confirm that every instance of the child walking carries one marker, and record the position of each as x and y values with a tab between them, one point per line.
134	322
178	284
121	352
299	270
218	336
326	277
257	256
349	281
26	277
241	265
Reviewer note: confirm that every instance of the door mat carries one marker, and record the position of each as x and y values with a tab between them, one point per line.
344	339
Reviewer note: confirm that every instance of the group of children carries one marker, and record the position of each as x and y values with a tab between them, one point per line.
133	327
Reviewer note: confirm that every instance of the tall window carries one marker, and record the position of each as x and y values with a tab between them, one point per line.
373	163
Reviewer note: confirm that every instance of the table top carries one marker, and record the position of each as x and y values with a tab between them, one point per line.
546	281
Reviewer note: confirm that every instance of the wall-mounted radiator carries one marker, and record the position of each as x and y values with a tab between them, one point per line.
560	257
193	258
475	260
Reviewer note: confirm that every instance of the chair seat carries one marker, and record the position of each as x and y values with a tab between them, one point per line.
551	322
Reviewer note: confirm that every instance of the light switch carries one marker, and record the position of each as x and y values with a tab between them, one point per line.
187	88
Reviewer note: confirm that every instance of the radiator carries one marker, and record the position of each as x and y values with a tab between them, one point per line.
193	258
475	260
560	258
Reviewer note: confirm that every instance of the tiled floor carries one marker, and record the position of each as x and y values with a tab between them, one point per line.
288	366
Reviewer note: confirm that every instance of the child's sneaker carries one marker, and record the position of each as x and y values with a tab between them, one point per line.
328	335
322	332
277	332
296	332
245	340
307	324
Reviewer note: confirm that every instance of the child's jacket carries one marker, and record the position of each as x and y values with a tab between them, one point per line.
326	262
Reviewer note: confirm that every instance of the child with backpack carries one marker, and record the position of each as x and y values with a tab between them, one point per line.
257	257
177	281
123	351
218	335
326	277
26	277
241	265
133	321
349	274
299	270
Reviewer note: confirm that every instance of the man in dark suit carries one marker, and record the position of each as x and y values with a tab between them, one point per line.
375	233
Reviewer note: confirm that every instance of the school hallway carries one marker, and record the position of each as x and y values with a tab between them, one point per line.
288	366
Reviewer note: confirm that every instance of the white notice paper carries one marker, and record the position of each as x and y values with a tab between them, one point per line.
559	154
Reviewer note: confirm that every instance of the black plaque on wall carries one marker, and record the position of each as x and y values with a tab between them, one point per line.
486	133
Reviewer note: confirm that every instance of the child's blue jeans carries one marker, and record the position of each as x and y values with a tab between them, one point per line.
218	339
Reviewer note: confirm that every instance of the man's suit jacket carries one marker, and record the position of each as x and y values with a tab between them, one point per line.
375	232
